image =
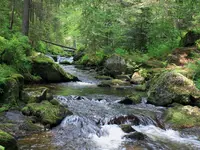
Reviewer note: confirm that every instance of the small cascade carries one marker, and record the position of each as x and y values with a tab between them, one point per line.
168	136
111	138
64	60
50	57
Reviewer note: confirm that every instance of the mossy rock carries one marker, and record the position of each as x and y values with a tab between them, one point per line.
140	87
127	128
46	113
49	71
34	95
137	136
11	89
172	87
182	116
7	141
54	102
29	78
113	83
190	39
132	99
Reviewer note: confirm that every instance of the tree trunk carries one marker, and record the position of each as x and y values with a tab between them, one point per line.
25	24
12	15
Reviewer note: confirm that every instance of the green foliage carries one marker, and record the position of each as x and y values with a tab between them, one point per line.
55	50
3	43
5	72
121	52
96	58
15	53
2	148
139	57
3	108
195	67
41	47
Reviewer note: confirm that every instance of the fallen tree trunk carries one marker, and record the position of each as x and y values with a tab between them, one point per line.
69	48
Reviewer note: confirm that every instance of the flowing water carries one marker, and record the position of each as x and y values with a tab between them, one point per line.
97	116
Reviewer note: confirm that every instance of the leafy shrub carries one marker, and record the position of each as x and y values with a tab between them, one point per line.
41	47
121	52
15	52
96	58
5	72
3	43
195	67
55	50
139	57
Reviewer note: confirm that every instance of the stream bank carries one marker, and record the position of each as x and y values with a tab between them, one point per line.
98	116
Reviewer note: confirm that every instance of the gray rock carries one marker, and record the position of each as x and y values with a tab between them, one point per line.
115	65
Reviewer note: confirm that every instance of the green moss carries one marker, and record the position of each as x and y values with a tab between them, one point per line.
183	116
54	102
5	107
42	59
172	87
113	83
34	95
2	148
7	141
46	112
136	99
49	71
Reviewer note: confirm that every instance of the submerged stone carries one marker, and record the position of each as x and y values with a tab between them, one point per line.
136	136
132	99
127	128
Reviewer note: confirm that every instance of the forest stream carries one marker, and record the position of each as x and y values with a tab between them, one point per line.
97	119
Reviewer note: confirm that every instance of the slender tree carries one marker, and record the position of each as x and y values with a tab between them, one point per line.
26	13
12	15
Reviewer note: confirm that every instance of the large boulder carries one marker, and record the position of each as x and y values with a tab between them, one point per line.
182	116
115	65
49	71
10	89
172	87
189	39
46	113
8	141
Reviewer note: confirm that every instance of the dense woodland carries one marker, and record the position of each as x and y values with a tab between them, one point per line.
141	30
152	36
